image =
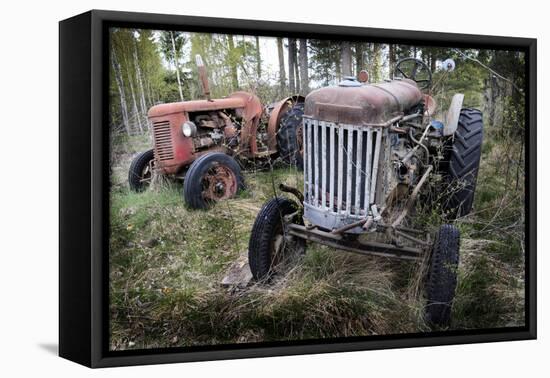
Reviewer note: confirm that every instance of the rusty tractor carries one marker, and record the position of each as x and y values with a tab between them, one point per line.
205	142
369	150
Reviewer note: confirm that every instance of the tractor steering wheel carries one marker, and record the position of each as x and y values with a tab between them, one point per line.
415	70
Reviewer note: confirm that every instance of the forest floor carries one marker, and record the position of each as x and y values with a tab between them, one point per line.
167	263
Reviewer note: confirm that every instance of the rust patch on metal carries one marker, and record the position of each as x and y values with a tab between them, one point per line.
171	148
430	105
278	111
219	183
372	103
363	76
251	112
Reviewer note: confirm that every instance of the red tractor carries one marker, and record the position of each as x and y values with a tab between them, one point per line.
203	142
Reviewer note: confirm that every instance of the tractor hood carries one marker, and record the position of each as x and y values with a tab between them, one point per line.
353	103
247	103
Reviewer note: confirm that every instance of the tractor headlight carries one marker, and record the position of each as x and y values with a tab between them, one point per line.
189	129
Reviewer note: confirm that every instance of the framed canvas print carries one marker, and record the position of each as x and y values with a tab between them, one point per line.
235	188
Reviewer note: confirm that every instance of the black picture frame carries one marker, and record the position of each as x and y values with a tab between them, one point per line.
83	196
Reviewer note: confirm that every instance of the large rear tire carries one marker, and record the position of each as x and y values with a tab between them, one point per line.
290	136
139	174
214	176
269	247
442	276
463	163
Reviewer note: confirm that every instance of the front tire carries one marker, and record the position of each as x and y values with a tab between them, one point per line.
442	276
140	174
270	247
214	176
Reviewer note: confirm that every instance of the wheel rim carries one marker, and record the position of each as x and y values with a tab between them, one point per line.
277	250
146	173
284	249
219	183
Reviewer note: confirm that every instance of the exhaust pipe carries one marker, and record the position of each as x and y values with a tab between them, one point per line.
203	77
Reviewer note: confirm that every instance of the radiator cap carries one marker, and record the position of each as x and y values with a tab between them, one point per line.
349	81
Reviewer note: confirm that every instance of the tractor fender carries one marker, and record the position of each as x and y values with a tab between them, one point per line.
275	117
451	119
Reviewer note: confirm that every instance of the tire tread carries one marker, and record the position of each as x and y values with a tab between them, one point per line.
442	277
192	190
262	234
136	167
464	159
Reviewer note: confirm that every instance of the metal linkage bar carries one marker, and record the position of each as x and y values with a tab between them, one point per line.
291	190
412	198
365	248
375	164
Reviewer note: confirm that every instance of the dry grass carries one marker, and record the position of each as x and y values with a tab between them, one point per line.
167	262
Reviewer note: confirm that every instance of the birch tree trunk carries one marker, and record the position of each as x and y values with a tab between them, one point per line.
280	52
142	103
338	69
258	58
291	64
297	72
232	63
432	61
149	92
135	110
346	58
304	75
359	57
121	91
176	65
134	105
392	57
376	63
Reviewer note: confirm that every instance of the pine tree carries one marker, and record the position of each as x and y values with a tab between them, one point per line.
291	64
172	43
232	61
258	58
304	74
359	57
346	58
281	56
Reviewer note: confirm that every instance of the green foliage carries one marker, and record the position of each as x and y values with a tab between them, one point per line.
166	264
325	60
468	78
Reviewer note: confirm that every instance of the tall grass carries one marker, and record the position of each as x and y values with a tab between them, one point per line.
167	263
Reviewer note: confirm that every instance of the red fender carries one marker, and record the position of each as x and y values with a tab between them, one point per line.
273	124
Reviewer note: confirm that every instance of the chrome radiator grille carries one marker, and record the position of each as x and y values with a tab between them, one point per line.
340	171
163	141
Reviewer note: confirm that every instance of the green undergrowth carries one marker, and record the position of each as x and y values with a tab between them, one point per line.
167	263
